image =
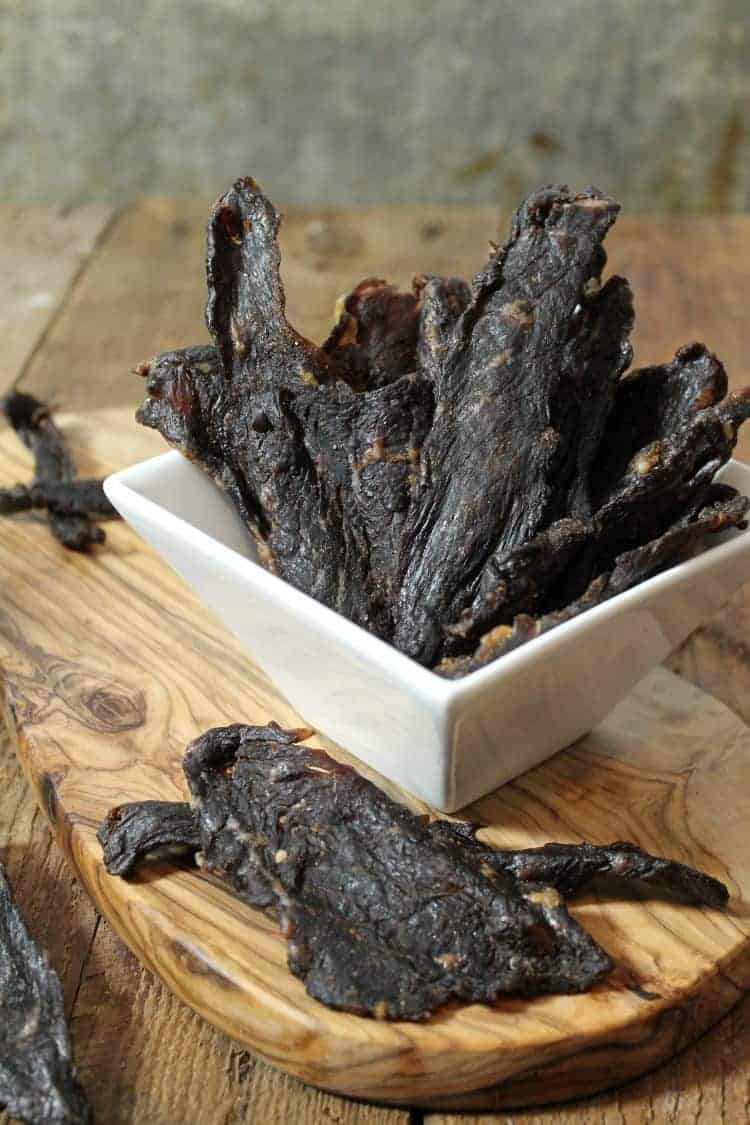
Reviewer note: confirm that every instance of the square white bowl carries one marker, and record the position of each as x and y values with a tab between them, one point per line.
447	742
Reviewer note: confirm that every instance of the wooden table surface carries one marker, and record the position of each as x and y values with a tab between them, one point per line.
85	295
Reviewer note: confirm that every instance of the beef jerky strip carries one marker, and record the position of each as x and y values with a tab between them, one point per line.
374	340
653	403
669	477
322	476
292	831
570	867
495	470
32	421
442	303
630	568
516	581
37	1077
64	498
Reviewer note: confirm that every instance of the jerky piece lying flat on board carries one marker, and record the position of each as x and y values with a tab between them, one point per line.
37	1077
67	515
630	568
442	916
496	467
374	340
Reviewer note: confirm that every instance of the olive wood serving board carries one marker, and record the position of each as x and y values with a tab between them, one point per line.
111	667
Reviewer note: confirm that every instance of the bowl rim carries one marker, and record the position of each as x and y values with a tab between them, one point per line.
123	487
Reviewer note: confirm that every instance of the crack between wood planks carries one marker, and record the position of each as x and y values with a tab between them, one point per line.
63	304
84	963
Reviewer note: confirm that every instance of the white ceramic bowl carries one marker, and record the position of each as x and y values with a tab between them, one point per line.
448	742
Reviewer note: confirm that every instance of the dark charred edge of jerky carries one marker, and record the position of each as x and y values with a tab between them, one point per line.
142	829
37	1078
570	867
653	403
64	498
494	465
630	568
670	477
374	340
443	916
442	300
517	583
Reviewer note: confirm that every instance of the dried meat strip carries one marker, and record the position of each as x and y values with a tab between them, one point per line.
496	469
358	880
630	568
569	868
374	340
654	403
65	498
54	468
37	1077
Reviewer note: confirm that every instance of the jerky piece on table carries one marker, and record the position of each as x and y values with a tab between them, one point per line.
497	464
629	569
64	498
37	1077
374	340
291	830
442	916
54	465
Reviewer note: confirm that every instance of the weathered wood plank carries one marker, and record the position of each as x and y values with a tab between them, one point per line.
43	250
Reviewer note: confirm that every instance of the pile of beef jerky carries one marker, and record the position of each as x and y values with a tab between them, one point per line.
358	881
460	467
72	506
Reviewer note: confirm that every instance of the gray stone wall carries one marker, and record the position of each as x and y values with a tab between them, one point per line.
346	101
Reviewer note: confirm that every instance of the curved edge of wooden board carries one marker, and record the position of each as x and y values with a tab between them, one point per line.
557	1072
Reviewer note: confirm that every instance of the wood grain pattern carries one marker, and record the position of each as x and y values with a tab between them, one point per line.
45	249
111	667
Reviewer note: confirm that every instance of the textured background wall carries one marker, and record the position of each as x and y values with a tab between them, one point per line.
362	100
